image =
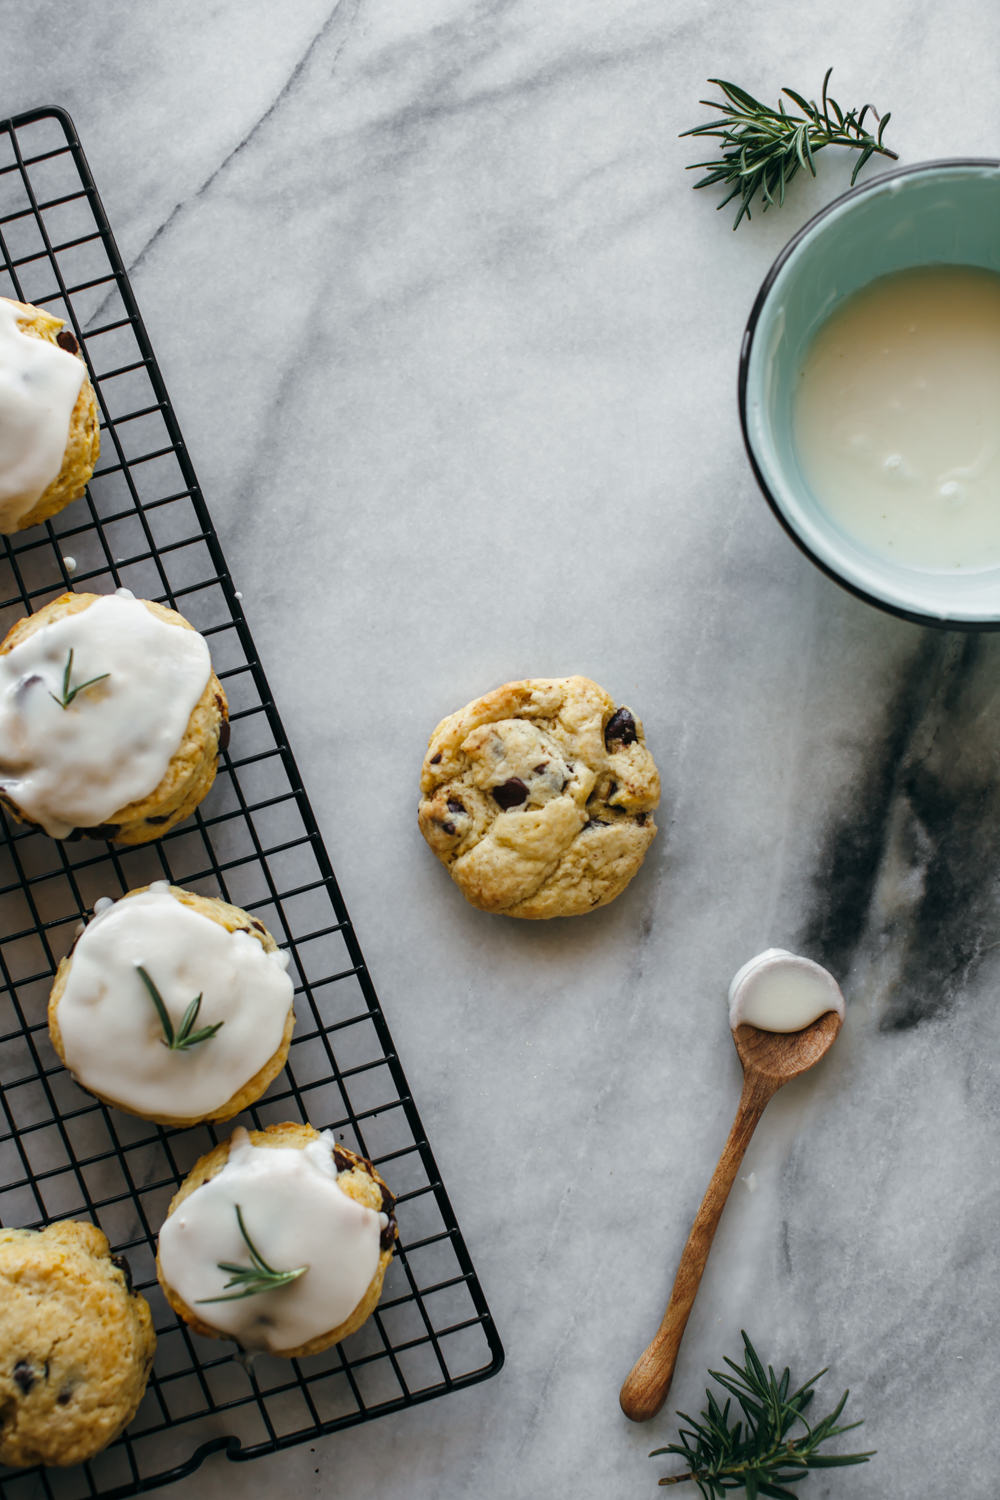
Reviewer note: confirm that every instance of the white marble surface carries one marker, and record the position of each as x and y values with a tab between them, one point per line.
453	345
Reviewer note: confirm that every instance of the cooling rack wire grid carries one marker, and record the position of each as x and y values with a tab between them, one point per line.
143	525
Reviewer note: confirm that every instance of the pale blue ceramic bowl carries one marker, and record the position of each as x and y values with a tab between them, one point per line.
936	212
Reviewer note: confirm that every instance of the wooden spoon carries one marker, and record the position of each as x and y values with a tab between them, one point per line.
769	1059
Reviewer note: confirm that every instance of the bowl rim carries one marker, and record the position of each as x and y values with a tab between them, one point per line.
940	622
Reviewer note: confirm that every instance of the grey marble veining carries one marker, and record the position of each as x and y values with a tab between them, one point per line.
453	346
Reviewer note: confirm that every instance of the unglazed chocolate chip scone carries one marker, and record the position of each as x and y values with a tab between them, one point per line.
76	1345
538	798
279	1239
111	718
173	1007
49	433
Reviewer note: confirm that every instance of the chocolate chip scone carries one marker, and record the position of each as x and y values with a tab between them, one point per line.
538	798
105	1025
315	1222
111	718
49	411
76	1345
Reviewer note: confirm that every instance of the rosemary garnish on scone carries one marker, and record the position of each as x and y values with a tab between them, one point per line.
184	1037
68	693
768	146
757	1454
260	1277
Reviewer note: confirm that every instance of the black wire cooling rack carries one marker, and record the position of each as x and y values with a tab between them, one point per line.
143	525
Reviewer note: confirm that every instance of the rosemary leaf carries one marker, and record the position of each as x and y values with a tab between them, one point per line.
763	148
68	694
185	1038
255	1278
756	1454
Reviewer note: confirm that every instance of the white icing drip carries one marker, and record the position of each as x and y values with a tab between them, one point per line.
779	991
39	386
296	1216
72	768
111	1034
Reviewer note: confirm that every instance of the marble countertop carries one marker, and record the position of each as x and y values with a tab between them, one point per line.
453	345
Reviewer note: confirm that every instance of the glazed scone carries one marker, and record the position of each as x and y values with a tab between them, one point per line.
538	798
76	1345
307	1207
111	718
107	1030
49	432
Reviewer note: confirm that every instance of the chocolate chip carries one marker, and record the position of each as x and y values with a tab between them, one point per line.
612	789
67	341
364	1162
121	1262
455	806
448	827
594	823
341	1160
620	728
225	730
539	769
107	831
436	759
388	1201
160	818
511	793
65	1397
219	703
259	925
641	820
24	1375
388	1235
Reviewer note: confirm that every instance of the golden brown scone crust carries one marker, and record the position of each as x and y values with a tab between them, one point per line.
233	919
83	445
577	788
80	1341
191	772
361	1182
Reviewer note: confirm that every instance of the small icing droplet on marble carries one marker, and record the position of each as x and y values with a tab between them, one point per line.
782	992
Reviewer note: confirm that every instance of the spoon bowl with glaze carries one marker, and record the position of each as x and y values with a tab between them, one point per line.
769	1058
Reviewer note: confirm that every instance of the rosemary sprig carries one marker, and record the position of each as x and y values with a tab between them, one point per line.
768	146
259	1277
185	1037
68	693
757	1454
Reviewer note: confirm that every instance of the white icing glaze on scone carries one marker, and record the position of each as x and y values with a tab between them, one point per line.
296	1215
73	767
111	1033
39	386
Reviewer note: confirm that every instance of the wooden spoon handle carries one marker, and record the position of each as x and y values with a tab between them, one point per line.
645	1390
